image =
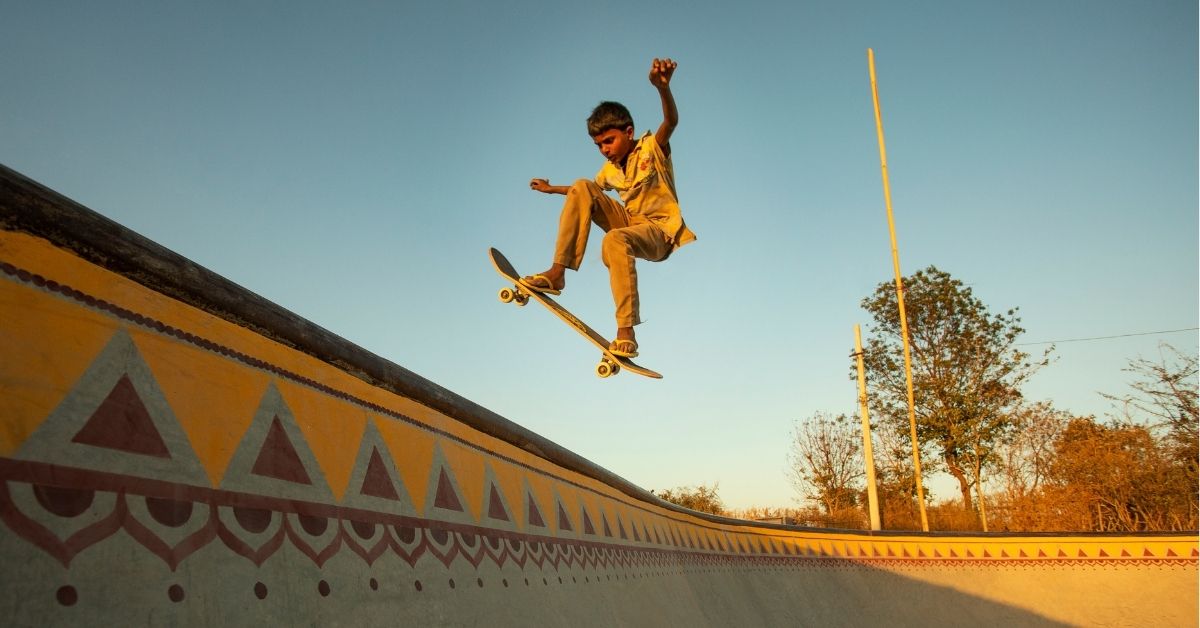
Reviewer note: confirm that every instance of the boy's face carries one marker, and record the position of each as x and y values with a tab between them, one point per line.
615	145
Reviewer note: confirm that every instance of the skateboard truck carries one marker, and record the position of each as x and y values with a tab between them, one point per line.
609	364
606	368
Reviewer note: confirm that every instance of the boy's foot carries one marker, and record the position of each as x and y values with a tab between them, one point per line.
543	284
624	348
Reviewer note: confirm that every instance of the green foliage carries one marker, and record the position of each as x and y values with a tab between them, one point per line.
967	371
700	498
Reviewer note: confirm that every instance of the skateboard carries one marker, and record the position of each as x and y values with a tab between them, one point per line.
609	364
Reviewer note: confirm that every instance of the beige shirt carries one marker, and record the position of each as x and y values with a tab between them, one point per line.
647	187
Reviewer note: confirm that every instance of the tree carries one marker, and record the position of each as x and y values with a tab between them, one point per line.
1116	477
1165	394
825	462
1026	460
967	371
700	498
894	478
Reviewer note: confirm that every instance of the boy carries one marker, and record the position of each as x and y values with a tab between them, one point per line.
649	224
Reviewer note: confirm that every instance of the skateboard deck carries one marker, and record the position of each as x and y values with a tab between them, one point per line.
609	364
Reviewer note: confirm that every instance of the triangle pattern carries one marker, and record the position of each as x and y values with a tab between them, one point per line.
588	528
534	515
274	458
116	419
445	496
375	482
564	521
469	468
278	458
496	509
123	423
444	499
495	506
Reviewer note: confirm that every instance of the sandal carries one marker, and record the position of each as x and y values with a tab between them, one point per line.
624	348
539	283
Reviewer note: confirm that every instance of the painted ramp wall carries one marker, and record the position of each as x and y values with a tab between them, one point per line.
175	450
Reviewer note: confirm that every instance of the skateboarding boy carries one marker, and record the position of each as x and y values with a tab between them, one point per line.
646	224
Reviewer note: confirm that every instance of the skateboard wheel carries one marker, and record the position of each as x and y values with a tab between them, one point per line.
522	299
506	295
607	368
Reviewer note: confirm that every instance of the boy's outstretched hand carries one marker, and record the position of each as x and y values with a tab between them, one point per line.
661	71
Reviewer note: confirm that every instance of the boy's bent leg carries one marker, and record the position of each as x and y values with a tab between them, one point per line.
586	203
620	248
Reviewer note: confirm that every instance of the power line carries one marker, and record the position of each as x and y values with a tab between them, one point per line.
1147	333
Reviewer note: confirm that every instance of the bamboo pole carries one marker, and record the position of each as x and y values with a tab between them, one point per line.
868	450
887	198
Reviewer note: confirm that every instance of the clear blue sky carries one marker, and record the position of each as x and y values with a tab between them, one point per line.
354	161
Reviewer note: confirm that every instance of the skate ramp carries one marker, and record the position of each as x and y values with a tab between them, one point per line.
175	450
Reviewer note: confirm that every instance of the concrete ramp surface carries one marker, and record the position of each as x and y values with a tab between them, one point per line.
175	450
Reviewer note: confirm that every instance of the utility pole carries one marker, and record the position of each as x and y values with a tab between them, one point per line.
887	198
868	451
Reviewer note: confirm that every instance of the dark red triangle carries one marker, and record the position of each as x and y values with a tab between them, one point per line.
564	522
588	528
123	423
278	458
607	530
446	497
535	515
496	506
376	481
621	530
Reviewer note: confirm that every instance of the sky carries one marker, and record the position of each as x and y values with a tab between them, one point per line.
353	162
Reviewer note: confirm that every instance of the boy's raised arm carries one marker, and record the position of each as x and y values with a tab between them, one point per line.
543	185
661	71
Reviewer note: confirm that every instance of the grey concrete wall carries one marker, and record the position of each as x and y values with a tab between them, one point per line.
175	450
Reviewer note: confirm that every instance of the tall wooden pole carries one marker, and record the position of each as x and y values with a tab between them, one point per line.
868	450
887	199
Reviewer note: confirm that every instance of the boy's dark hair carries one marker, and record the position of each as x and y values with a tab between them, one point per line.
608	115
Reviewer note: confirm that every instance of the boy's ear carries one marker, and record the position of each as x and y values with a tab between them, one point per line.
629	132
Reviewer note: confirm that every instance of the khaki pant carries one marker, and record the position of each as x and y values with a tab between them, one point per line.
626	237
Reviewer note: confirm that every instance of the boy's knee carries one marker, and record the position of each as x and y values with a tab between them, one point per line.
614	245
583	186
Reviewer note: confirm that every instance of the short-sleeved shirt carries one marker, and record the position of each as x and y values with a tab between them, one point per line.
647	187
